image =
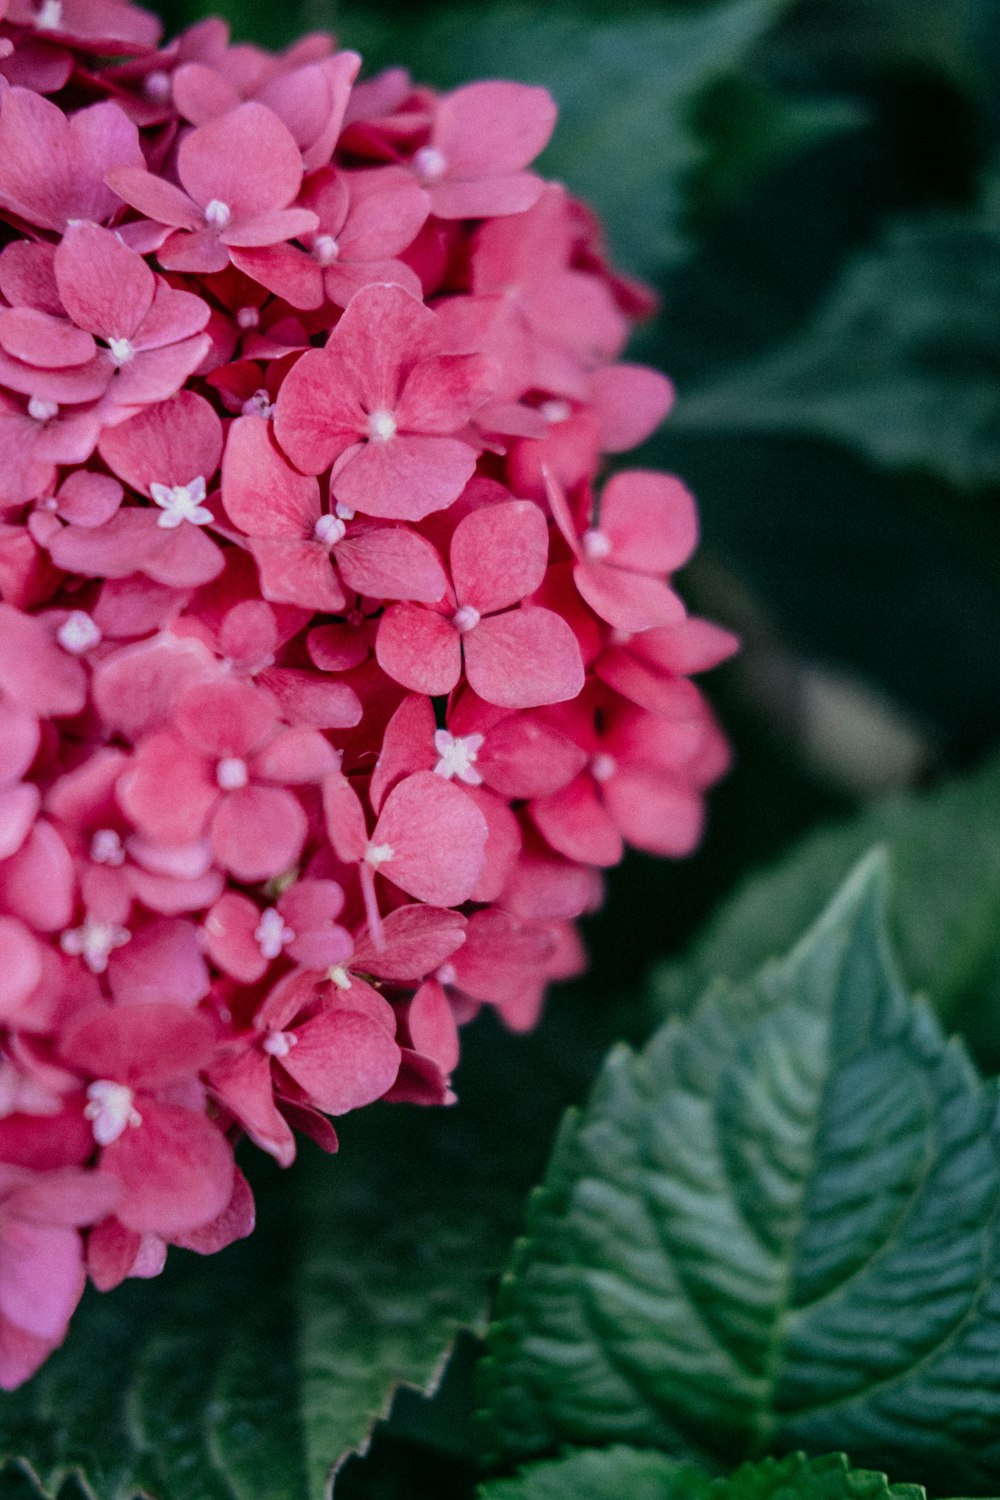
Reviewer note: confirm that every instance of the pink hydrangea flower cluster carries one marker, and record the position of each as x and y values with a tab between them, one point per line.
330	676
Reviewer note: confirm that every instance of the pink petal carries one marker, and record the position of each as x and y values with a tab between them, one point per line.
172	443
306	699
438	840
407	746
576	824
487	196
296	757
152	1044
42	341
405	478
105	287
229	937
87	499
419	649
392	562
493	128
524	757
155	197
18	809
442	393
431	1024
297	572
318	415
650	520
258	832
37	883
225	718
262	494
655	813
631	402
342	1060
243	1084
524	658
163	961
236	1222
20	967
41	1276
626	600
214	162
502	846
345	818
176	1170
157	374
37	673
52	169
418	939
498	554
169	790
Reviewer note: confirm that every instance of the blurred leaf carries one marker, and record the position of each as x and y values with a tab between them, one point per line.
903	364
248	1377
626	89
775	1228
944	905
642	1474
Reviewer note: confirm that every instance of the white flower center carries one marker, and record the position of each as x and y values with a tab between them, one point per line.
181	502
339	976
329	530
447	974
431	164
157	85
217	214
231	773
258	405
466	618
345	512
110	1110
49	15
381	426
596	544
279	1043
121	351
379	854
248	317
78	633
325	249
42	411
93	942
458	756
603	766
271	934
106	848
555	411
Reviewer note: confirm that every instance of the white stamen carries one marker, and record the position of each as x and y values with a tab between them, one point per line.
621	637
93	942
381	426
258	405
49	15
458	756
106	848
339	976
430	163
329	530
110	1110
121	352
248	317
271	934
279	1043
596	544
555	411
325	249
181	502
603	766
447	974
42	411
379	854
217	214
466	618
157	85
231	773
345	512
78	633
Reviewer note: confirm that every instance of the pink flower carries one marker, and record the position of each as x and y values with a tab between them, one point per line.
239	176
52	168
381	404
482	138
517	658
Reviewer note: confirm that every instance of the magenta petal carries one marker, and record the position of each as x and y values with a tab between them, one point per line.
437	836
176	1170
524	658
405	478
343	1060
258	832
498	555
419	649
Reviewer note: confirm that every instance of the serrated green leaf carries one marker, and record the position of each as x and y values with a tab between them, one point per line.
625	86
775	1228
944	904
644	1474
248	1376
902	364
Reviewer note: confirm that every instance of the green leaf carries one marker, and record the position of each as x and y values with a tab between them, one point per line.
944	907
626	90
775	1228
901	365
248	1376
644	1474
